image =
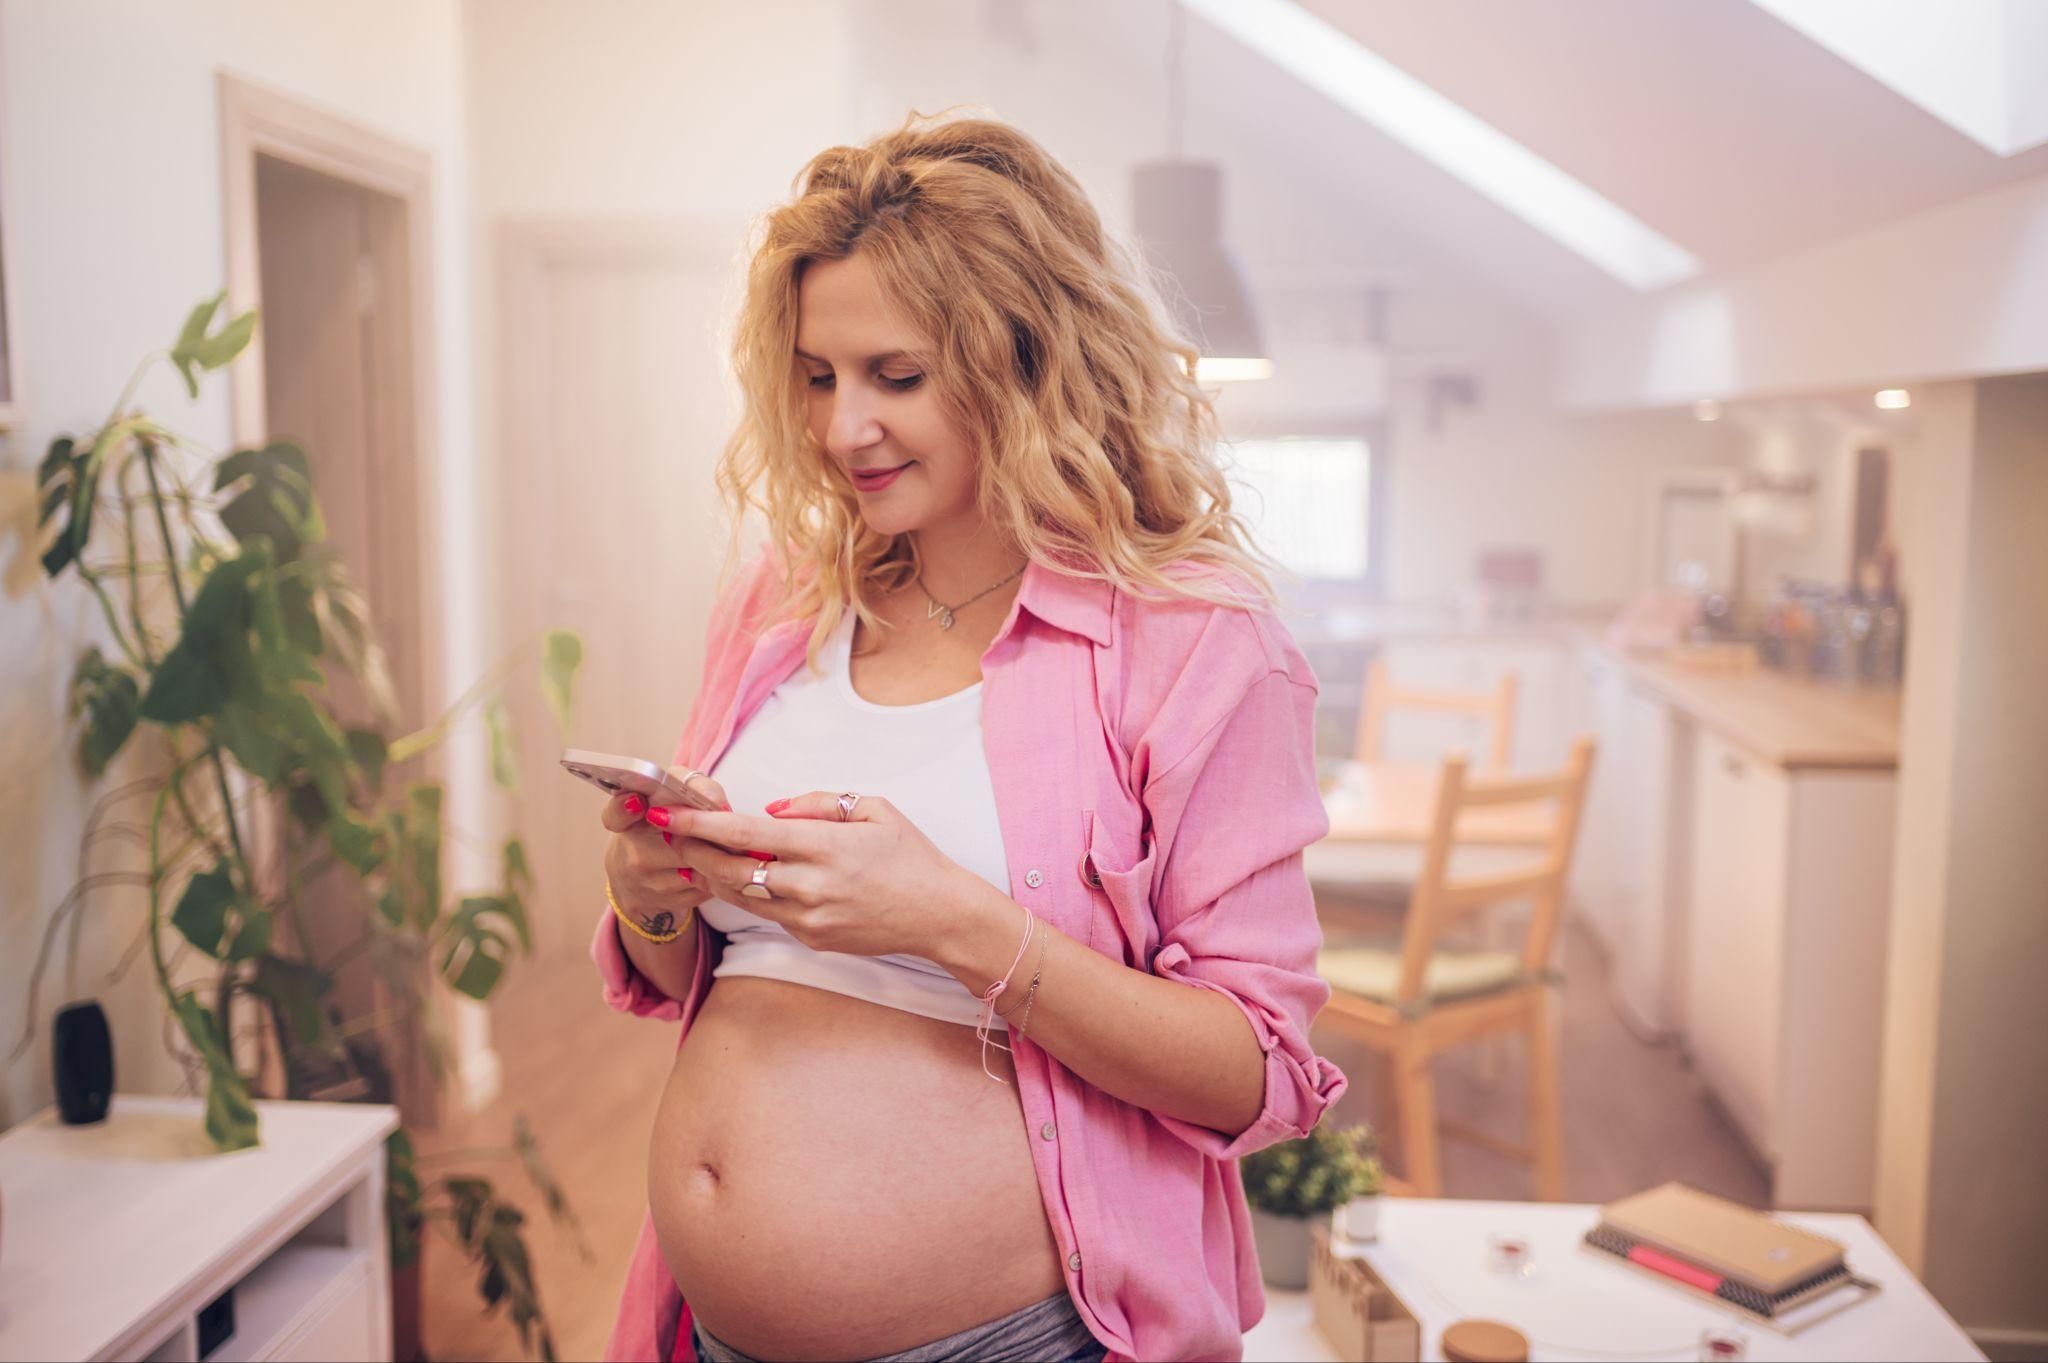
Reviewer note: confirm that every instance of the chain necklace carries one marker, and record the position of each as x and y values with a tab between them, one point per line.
945	612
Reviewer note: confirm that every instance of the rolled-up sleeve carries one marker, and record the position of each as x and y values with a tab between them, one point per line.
1230	819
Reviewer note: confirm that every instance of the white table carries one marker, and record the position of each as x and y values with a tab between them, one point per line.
1579	1303
115	1235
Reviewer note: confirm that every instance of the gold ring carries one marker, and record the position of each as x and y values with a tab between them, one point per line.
757	888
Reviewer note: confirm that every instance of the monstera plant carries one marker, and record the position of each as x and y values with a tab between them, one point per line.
229	621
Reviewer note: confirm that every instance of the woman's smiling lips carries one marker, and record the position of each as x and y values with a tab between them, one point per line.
875	483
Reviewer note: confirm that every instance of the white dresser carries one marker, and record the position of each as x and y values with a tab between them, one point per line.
115	1236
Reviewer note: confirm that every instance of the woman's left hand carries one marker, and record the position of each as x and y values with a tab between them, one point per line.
874	885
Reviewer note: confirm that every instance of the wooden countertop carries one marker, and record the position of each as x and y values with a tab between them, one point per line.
1791	722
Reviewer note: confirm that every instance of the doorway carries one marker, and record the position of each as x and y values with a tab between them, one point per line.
328	235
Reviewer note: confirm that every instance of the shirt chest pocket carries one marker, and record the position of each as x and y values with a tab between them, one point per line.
1116	870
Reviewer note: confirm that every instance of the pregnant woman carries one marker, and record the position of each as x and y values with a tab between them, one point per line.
999	951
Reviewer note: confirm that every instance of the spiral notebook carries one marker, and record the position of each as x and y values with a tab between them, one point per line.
1785	1276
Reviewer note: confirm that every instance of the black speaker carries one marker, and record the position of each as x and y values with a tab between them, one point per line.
83	1064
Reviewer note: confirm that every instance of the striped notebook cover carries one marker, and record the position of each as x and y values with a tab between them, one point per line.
1722	1249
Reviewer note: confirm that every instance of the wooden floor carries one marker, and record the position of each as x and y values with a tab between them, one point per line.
589	1080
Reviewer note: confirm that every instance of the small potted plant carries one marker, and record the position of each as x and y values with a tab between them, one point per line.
1288	1183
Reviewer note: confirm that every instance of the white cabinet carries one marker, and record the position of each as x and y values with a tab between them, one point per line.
1629	874
1742	889
119	1234
1735	975
1788	916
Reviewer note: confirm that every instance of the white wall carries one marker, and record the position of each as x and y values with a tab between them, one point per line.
1957	292
1961	1190
112	177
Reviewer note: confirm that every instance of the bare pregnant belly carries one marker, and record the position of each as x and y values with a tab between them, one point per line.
834	1179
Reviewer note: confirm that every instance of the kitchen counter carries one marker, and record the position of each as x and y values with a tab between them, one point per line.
1791	722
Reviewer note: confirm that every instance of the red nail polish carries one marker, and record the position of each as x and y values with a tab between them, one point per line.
777	806
659	816
669	838
684	872
634	804
761	856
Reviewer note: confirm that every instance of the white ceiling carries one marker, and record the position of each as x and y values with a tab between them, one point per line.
1717	124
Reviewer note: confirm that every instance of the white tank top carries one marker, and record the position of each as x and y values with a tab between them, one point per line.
815	733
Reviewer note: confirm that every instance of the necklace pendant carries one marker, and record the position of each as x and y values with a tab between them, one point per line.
945	616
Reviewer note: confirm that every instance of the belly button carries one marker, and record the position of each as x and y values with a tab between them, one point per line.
706	1176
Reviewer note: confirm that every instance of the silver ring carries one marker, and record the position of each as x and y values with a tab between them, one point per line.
846	804
757	888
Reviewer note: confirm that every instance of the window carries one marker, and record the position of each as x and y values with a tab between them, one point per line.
1308	501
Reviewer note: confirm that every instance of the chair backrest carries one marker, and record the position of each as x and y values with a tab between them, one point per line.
1382	697
1440	901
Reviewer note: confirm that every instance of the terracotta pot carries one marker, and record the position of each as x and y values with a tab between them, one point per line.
1283	1244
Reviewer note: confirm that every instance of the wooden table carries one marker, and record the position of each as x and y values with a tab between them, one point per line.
1380	818
1579	1303
1395	803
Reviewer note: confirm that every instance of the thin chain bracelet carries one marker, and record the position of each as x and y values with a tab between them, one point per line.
1037	969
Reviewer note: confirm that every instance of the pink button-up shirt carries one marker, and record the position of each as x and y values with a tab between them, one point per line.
1170	746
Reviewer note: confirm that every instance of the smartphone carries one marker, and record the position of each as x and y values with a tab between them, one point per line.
611	773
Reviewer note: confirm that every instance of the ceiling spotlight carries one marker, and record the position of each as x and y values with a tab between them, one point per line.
1706	409
1894	399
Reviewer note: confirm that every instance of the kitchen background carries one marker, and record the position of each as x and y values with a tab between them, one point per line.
1704	388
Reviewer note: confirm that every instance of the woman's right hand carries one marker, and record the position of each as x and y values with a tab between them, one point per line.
648	878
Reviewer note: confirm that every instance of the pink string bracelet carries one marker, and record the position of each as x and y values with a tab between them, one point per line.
995	991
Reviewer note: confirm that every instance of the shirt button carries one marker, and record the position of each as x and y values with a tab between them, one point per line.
1074	1261
1033	879
1045	1133
1089	873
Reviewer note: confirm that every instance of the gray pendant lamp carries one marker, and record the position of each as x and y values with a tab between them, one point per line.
1179	211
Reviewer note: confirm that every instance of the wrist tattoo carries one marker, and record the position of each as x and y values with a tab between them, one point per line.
658	924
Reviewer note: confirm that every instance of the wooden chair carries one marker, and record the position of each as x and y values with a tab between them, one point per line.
1410	1000
1382	697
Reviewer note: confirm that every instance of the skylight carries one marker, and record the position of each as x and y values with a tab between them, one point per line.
1977	65
1365	84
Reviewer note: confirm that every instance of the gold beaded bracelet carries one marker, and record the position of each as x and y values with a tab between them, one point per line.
658	938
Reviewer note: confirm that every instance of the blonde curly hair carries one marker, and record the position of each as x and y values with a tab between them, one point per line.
1054	354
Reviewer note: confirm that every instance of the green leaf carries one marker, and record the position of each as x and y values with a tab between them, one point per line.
504	761
561	655
528	1147
356	842
297	990
222	347
56	459
252	938
301	621
423	850
53	476
391	906
276	502
475	959
402	1196
70	478
230	1114
196	322
518	874
111	699
368	750
212	661
202	910
251	735
280	467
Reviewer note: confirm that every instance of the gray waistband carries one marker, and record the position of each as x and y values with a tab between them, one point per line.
1047	1329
